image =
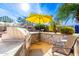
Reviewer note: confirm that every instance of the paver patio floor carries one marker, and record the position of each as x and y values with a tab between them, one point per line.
39	49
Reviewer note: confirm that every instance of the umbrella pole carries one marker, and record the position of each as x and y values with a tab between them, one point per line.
39	36
39	31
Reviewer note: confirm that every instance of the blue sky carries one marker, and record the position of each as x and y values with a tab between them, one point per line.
14	10
49	8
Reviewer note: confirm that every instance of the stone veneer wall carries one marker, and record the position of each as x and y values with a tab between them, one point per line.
34	38
46	38
43	37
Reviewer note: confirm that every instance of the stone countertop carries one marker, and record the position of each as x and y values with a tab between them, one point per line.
34	32
43	33
76	34
47	32
10	48
40	32
51	33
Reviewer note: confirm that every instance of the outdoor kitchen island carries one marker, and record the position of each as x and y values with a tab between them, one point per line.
14	48
15	42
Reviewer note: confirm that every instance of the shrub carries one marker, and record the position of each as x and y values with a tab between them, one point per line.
58	28
50	28
41	26
67	30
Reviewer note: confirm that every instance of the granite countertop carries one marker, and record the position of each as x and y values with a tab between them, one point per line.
10	48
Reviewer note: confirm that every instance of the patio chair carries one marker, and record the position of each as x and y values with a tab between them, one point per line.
65	49
56	39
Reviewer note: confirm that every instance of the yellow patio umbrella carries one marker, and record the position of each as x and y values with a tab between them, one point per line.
39	18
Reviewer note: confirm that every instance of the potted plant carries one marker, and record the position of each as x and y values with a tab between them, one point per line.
67	30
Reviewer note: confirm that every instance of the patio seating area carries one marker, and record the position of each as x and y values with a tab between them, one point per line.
32	45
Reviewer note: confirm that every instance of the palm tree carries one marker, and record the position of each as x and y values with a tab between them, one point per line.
66	11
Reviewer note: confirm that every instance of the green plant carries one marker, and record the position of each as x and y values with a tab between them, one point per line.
41	26
67	11
54	27
58	28
67	30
